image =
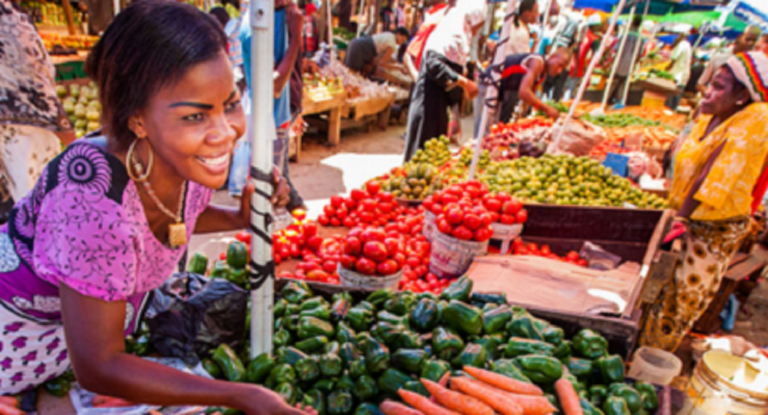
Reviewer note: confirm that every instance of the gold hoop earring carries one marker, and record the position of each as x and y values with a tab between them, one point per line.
131	160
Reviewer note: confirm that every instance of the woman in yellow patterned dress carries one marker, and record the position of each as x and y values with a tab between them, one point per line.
716	169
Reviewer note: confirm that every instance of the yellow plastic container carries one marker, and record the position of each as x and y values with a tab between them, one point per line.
653	100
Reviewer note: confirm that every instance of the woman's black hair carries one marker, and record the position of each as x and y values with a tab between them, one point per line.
221	15
149	45
525	6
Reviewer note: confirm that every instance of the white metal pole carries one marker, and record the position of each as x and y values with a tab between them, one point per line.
635	55
263	130
116	6
360	17
491	91
617	59
595	59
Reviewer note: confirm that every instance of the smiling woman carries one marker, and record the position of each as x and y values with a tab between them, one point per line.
109	218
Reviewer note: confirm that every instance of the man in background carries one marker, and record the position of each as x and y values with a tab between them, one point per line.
100	14
626	59
744	43
679	67
763	44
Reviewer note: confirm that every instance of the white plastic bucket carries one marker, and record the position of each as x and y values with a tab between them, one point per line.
429	228
506	234
349	278
654	366
452	257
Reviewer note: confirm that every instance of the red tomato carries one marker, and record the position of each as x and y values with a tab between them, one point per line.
244	237
518	242
444	227
352	246
317	275
366	217
223	256
375	251
329	266
454	216
329	211
365	266
421	271
410	275
522	216
492	204
372	234
472	221
545	250
437	208
507	219
503	196
393	246
310	229
386	197
582	262
486	218
350	203
299	214
357	195
572	256
512	207
449	198
387	267
314	242
349	222
533	247
372	187
337	201
428	203
335	221
348	262
483	234
400	258
461	232
285	274
413	261
342	213
323	220
430	277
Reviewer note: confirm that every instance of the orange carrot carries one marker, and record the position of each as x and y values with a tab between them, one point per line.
484	393
423	404
10	410
10	401
502	382
396	408
467	405
569	399
444	383
101	401
530	405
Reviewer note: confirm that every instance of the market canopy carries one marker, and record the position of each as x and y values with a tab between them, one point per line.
658	7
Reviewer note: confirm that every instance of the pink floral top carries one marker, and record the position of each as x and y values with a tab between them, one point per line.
84	225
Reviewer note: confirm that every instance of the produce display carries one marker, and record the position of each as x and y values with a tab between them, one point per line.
460	352
619	120
565	180
356	87
48	13
519	247
510	141
320	88
414	181
82	106
371	252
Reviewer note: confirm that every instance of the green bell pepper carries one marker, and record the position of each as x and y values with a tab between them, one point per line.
198	264
589	344
296	291
322	312
631	396
495	320
359	318
491	346
362	339
650	397
344	334
365	388
472	355
463	317
434	369
581	368
611	368
324	385
485	307
387	332
288	392
291	322
281	373
446	343
339	309
522	326
507	368
318	400
409	360
230	364
400	304
312	344
391	318
307	369
348	353
588	408
553	335
291	309
367	305
345	382
379	297
368	409
332	347
427	295
339	402
342	294
615	406
563	350
237	255
458	290
313	326
330	365
392	380
597	395
357	368
279	309
212	368
408	340
519	346
313	302
424	316
416	386
499	298
290	355
376	356
540	369
259	368
220	269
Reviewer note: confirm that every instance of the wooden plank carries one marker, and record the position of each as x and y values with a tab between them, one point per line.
68	15
660	274
744	268
334	127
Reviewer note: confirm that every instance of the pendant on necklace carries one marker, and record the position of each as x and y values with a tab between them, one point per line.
177	234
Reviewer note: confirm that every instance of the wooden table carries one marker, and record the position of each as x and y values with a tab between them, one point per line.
333	106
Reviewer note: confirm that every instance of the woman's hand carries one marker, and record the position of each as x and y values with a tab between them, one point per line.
280	197
263	401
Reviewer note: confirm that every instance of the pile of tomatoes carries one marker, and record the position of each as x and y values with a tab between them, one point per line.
505	209
460	213
521	248
369	251
362	207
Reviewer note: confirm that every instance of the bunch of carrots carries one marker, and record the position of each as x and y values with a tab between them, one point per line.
9	405
484	394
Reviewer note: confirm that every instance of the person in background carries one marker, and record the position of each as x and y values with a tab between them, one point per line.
520	33
400	14
432	17
568	32
679	67
626	59
33	123
716	169
100	14
366	53
343	11
221	16
550	30
762	45
588	46
520	76
744	43
692	87
289	24
310	33
442	80
387	16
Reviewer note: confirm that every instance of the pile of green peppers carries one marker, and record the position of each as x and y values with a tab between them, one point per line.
344	357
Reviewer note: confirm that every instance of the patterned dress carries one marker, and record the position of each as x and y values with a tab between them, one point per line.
83	225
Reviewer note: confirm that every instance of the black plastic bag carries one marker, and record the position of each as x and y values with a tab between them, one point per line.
191	315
